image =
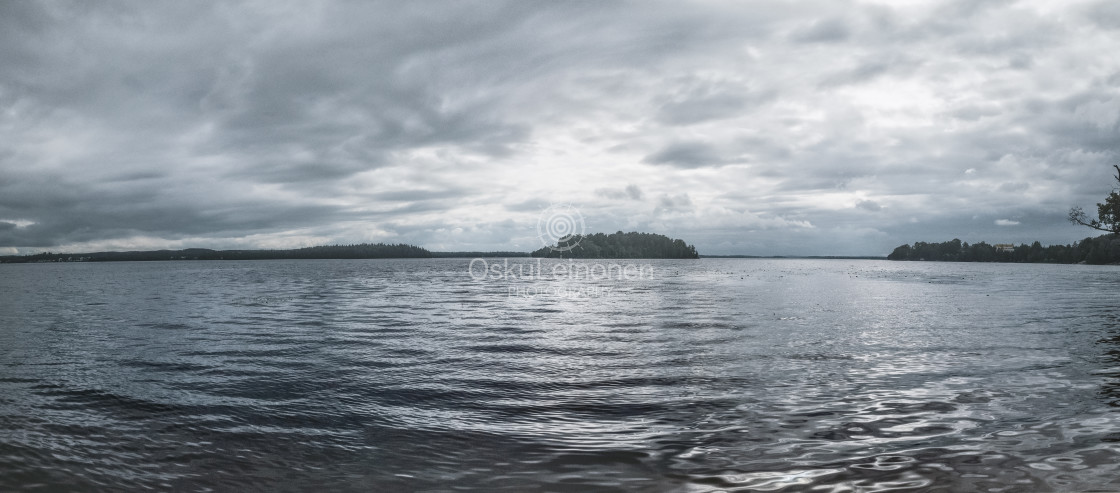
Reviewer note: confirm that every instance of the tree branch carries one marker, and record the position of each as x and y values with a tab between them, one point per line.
1108	212
1077	216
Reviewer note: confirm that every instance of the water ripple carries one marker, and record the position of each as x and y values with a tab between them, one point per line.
714	375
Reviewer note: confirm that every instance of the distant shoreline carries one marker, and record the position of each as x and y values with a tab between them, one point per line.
822	257
1102	250
185	256
633	245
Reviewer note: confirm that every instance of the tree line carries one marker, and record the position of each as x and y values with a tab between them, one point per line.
618	245
1100	250
359	251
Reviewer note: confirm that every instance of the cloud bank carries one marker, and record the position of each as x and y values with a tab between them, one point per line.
806	127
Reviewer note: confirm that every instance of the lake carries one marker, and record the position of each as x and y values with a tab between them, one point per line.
658	375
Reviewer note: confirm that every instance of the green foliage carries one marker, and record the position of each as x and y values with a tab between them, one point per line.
1108	212
1100	250
619	245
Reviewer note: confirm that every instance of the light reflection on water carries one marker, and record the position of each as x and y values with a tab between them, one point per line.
764	375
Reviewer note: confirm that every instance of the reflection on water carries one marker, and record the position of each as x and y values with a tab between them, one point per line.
710	375
1110	389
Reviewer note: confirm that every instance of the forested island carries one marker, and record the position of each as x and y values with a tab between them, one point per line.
618	245
1100	250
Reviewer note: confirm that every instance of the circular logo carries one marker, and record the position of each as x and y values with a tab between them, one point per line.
557	224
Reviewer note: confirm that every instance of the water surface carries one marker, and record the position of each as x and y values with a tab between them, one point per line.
708	375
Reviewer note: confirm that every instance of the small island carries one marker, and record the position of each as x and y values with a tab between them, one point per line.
619	245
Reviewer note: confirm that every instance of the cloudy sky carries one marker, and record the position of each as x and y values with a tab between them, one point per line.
794	127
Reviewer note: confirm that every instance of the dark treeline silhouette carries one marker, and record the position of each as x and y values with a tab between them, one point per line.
1100	250
364	250
618	245
815	257
478	254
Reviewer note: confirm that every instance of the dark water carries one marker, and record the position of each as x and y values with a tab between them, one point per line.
710	375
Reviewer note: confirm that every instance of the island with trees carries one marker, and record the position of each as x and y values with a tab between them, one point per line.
619	245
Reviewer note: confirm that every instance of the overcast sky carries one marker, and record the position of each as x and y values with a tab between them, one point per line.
801	127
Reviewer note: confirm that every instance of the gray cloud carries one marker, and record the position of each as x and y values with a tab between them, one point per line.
631	192
674	201
746	129
869	205
686	155
697	99
703	108
863	72
1014	187
1104	13
823	31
